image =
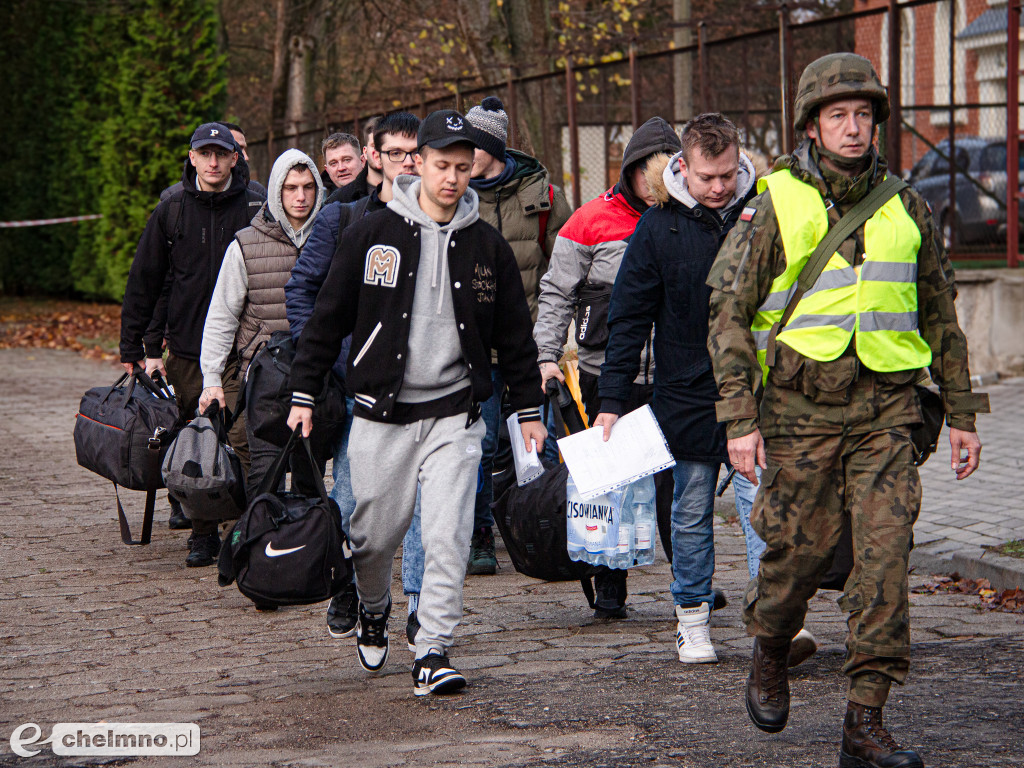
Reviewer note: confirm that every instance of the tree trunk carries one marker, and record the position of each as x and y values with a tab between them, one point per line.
301	55
279	76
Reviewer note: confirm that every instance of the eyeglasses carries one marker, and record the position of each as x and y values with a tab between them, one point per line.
397	155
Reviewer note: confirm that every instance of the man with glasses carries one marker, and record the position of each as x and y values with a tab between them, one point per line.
183	245
394	144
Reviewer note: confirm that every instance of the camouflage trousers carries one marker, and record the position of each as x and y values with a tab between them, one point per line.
810	484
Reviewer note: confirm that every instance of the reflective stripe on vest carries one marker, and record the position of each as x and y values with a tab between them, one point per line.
876	302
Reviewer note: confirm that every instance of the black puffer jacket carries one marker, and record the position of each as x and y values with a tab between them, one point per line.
662	282
183	243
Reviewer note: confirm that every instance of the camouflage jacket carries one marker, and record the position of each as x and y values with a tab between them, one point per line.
752	257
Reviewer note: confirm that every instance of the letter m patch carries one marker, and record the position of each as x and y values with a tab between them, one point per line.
381	266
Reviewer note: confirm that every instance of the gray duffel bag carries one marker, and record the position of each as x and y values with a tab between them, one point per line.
202	471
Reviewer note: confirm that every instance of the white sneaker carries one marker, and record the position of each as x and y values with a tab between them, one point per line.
803	647
693	635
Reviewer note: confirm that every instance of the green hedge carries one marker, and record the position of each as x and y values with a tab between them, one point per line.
102	100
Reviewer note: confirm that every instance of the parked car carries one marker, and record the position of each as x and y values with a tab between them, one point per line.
980	215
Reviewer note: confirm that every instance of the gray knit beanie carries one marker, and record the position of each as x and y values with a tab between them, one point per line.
491	122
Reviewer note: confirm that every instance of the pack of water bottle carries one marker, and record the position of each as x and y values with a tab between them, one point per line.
615	529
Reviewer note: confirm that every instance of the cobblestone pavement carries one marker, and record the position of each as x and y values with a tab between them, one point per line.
92	630
959	519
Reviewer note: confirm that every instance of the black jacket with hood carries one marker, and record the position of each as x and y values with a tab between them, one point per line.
662	283
183	245
356	189
590	246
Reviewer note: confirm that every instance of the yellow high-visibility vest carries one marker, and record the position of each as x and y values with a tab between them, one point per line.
876	302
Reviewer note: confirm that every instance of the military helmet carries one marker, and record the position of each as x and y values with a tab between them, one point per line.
838	76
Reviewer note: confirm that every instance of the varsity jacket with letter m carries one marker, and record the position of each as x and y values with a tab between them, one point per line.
369	293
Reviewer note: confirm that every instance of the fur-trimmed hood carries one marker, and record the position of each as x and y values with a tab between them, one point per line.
667	183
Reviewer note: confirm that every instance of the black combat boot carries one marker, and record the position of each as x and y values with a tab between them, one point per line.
177	521
768	685
866	743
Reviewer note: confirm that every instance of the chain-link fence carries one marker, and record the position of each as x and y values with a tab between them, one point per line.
944	61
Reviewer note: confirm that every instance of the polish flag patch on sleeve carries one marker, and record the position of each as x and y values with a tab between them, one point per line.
748	213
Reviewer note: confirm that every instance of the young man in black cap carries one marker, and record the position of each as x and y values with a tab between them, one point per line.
427	290
184	244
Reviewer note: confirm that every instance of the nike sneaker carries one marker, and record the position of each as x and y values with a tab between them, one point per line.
343	612
372	638
435	674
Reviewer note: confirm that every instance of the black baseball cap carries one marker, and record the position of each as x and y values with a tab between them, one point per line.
217	134
445	127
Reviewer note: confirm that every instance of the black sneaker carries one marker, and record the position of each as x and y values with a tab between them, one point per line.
372	638
412	626
202	550
610	597
343	612
720	599
482	561
177	521
435	674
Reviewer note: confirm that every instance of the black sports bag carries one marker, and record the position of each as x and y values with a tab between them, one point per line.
287	549
202	471
531	518
268	399
122	432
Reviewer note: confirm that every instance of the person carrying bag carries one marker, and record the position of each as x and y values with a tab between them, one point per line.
122	432
287	548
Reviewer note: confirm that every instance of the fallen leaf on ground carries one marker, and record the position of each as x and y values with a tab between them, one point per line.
1007	600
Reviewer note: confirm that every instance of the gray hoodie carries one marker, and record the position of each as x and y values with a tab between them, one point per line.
677	187
232	289
435	366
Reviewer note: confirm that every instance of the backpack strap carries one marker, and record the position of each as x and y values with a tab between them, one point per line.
846	226
542	220
172	217
359	209
587	583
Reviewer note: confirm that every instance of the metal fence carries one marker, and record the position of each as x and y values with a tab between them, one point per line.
946	63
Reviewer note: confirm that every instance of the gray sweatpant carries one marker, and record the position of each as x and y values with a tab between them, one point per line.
387	461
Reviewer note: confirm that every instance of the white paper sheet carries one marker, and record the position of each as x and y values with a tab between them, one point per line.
528	464
636	448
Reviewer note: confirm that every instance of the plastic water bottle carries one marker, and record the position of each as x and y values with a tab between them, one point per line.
624	549
593	528
641	498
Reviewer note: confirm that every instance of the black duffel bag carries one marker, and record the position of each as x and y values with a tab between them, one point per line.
287	549
531	518
267	397
122	432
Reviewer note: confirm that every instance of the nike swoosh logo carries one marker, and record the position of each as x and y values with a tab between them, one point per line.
271	552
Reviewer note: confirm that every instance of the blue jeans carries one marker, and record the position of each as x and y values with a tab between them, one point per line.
412	546
693	540
490	412
745	493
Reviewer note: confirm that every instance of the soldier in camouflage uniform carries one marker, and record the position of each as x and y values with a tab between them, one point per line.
830	431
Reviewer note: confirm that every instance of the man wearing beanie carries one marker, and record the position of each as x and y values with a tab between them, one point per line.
584	263
518	199
427	290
